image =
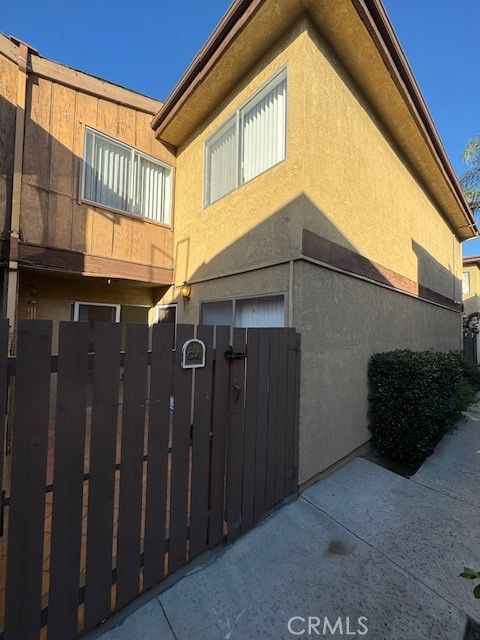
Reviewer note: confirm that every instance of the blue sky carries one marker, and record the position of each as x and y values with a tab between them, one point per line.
147	44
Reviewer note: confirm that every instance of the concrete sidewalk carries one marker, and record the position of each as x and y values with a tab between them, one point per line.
363	542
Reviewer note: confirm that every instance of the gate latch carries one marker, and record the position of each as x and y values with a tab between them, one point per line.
230	354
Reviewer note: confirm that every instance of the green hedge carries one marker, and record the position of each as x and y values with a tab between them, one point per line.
413	399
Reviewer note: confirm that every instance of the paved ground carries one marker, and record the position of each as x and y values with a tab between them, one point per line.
362	542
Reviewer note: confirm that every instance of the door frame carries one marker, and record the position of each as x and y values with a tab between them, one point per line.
77	303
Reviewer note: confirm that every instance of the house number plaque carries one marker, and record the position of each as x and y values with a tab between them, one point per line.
193	354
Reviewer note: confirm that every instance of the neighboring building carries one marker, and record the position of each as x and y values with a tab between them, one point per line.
85	194
471	285
312	190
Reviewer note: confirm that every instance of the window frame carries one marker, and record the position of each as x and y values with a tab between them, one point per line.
77	303
170	305
82	199
234	301
280	76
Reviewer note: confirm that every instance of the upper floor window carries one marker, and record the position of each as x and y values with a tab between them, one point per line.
465	283
250	142
121	178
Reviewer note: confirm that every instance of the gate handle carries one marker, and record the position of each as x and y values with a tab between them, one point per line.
236	394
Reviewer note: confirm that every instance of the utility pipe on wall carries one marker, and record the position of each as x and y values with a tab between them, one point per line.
12	272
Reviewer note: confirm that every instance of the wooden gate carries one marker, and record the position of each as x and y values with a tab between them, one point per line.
470	346
123	466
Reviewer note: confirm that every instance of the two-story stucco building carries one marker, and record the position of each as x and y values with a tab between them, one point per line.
311	190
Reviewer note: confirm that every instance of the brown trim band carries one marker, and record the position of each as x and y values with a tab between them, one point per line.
75	263
331	253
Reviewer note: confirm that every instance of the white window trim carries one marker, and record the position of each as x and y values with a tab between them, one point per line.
132	181
171	305
77	303
253	296
281	75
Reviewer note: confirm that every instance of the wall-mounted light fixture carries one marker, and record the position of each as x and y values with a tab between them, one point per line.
185	291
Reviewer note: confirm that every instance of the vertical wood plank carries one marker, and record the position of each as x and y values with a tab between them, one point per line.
131	474
69	453
282	414
296	434
252	391
180	454
290	445
262	423
219	436
4	325
273	402
157	466
235	445
106	373
28	477
202	414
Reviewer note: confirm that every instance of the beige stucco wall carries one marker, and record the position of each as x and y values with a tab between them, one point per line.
342	178
272	280
343	321
257	223
361	191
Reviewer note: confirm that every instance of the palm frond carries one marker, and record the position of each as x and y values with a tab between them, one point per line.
471	153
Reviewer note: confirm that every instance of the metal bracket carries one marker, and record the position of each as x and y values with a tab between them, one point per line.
230	354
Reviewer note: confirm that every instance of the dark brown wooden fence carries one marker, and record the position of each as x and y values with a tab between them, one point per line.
470	346
122	467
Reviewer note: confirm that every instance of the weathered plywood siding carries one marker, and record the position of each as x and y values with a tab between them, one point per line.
52	214
8	101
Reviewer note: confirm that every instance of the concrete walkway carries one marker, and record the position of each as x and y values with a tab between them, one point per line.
363	542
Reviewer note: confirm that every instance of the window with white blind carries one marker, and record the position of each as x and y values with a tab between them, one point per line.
265	311
252	141
124	179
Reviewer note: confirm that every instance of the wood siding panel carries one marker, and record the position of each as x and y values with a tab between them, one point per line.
144	133
61	129
37	146
52	215
122	237
34	215
126	125
82	218
59	228
8	86
102	232
141	246
157	241
107	114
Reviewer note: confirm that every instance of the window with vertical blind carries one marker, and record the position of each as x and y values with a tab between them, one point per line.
264	311
252	141
122	178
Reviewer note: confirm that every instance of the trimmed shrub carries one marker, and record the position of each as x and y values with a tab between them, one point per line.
413	399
